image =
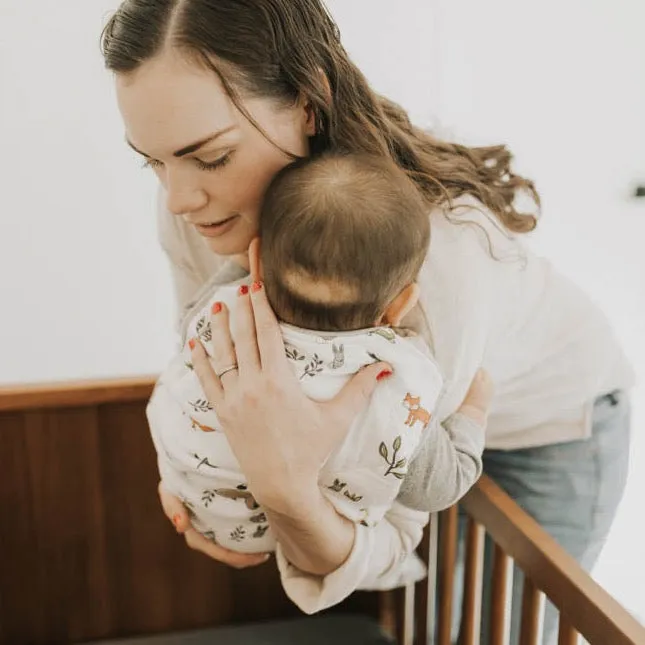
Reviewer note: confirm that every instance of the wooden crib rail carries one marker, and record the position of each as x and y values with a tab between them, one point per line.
584	607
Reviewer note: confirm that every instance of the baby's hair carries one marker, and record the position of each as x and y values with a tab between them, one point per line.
342	235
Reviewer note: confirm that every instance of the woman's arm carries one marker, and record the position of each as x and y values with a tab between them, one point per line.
382	557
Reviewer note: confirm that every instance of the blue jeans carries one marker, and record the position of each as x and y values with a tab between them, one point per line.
572	489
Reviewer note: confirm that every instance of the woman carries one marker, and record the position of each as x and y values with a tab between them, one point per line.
217	96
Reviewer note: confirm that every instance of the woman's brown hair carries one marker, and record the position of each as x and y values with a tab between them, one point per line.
288	49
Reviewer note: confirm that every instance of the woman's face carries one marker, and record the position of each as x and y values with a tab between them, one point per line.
214	164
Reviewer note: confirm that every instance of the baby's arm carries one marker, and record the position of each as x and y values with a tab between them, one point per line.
449	460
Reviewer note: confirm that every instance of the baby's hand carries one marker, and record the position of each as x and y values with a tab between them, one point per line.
476	404
176	512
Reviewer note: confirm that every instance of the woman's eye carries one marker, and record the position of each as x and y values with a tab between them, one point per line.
213	165
151	163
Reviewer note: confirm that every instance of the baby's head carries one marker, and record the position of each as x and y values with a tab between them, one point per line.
343	238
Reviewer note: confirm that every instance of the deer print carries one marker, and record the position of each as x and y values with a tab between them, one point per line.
196	425
239	493
417	413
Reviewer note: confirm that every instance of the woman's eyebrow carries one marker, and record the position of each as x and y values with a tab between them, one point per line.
192	147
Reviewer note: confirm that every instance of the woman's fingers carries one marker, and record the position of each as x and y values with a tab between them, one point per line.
246	348
269	338
209	381
198	542
476	403
174	510
222	348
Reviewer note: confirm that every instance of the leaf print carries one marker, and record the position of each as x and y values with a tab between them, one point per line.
238	534
384	332
260	531
313	367
374	357
203	329
257	519
210	535
352	497
393	464
207	497
200	405
337	486
293	353
189	366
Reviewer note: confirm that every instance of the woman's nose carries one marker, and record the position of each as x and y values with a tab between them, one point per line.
182	197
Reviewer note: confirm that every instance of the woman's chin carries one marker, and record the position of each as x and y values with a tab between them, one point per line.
234	249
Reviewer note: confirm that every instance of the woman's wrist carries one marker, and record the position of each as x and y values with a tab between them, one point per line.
290	499
314	537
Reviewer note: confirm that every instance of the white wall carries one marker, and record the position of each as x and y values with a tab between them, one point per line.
84	287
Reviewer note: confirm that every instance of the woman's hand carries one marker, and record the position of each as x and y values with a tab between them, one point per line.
280	437
176	512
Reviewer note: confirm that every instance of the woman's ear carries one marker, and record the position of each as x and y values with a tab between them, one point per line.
310	112
255	264
401	306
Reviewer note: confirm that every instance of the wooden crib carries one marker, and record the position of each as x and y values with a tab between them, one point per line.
86	554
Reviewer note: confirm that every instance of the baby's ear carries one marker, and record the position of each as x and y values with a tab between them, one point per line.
255	264
401	306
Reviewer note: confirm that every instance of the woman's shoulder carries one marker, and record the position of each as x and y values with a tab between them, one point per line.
469	235
471	263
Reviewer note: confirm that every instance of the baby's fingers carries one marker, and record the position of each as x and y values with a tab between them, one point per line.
174	510
198	542
476	403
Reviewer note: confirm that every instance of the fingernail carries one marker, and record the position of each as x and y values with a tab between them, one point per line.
256	286
216	308
243	290
176	520
383	374
191	343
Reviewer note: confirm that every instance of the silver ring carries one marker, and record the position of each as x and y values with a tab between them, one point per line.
230	368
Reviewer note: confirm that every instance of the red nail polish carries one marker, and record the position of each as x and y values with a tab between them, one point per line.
383	374
216	308
176	519
191	343
256	286
243	290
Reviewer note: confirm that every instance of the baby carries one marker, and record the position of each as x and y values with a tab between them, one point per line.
343	238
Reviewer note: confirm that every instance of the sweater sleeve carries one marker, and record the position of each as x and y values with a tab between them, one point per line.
382	557
448	463
471	263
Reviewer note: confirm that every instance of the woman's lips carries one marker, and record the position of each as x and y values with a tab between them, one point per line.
216	230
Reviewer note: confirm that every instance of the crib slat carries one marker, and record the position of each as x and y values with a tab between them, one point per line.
567	635
473	575
532	599
448	550
425	591
499	592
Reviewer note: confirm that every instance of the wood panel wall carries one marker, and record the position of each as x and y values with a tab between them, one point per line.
85	550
